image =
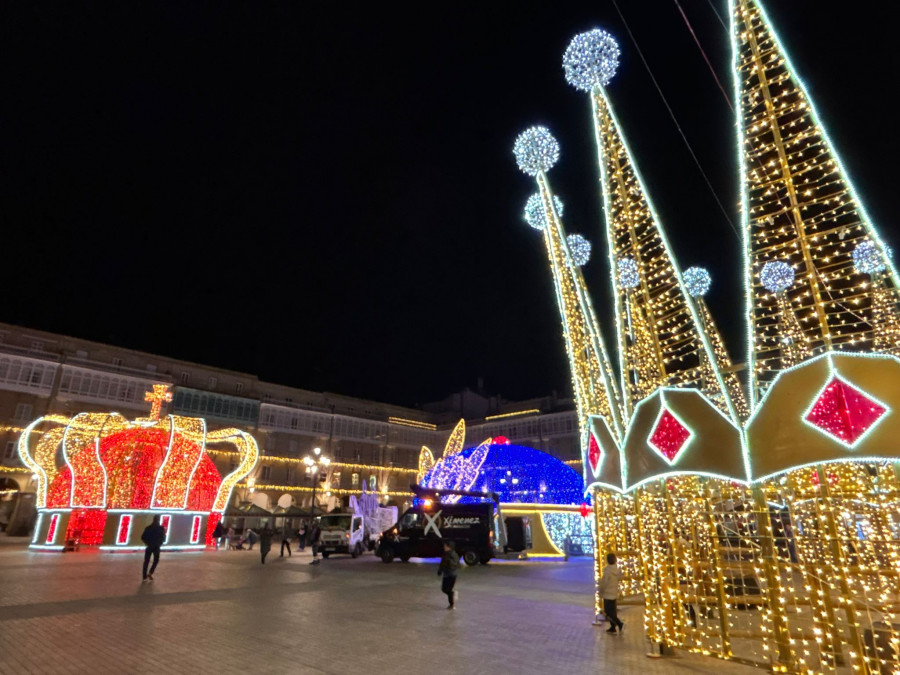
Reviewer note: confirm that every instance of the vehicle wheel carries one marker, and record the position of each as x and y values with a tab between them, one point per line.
470	556
387	555
325	554
485	558
404	558
355	552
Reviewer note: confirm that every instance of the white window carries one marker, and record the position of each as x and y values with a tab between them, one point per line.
354	479
23	412
81	354
336	479
117	362
239	387
185	377
37	345
10	451
372	482
212	382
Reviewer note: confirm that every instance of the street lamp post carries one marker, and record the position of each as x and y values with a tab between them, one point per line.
314	465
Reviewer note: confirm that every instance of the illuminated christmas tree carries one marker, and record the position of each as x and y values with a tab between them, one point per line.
662	339
536	151
800	212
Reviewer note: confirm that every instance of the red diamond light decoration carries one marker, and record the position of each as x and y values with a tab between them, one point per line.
669	436
844	412
593	453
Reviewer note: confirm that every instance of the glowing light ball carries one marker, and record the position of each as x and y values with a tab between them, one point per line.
777	276
867	259
536	215
627	273
579	248
696	281
591	59
536	150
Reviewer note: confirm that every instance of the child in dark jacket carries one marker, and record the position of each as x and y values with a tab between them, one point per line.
447	570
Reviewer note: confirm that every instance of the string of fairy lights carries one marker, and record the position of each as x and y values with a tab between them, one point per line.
536	151
801	213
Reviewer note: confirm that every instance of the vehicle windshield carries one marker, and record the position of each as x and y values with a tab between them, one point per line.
338	522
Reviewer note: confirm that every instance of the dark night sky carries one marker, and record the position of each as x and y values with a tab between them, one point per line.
325	195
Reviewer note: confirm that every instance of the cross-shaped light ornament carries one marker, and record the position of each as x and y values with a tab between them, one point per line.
156	398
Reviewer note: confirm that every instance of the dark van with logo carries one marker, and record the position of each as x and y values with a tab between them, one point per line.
423	529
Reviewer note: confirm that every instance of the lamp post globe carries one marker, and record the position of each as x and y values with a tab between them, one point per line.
314	465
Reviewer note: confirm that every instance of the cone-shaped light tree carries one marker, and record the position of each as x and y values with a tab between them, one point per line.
662	340
536	151
799	213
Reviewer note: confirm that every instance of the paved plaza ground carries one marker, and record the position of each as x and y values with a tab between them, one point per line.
223	612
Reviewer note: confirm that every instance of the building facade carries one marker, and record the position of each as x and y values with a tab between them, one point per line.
371	444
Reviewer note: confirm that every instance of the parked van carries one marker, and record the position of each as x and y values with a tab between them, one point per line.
476	529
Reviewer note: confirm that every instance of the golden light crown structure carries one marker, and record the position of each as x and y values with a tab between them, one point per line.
116	474
759	520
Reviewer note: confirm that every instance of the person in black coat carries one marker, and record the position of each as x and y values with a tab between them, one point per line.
314	535
154	536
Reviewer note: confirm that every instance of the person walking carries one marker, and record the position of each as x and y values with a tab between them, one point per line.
314	536
230	538
448	570
218	534
609	591
154	536
265	542
285	541
301	537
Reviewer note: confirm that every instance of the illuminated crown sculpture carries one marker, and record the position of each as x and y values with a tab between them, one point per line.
118	474
780	494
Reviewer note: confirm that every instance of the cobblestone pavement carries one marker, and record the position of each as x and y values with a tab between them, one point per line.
223	612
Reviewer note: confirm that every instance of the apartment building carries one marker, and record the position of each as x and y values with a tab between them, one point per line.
371	443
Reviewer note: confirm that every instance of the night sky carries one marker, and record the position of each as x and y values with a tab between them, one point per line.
325	195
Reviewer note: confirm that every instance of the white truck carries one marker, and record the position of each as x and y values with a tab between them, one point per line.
354	532
342	533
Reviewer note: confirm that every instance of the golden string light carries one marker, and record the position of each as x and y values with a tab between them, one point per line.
533	411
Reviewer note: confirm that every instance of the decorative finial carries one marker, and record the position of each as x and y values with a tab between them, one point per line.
696	281
777	276
156	398
591	59
627	273
535	214
536	150
579	249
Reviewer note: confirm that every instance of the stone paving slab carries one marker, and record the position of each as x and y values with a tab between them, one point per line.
88	612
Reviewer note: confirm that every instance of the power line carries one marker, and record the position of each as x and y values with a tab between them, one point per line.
677	126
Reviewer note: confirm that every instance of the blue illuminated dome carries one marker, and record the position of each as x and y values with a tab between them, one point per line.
517	473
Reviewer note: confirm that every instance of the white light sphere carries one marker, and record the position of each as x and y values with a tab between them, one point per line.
535	214
867	259
777	276
591	59
627	273
697	281
579	249
536	150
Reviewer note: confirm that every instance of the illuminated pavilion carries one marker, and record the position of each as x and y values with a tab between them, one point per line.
116	475
759	520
